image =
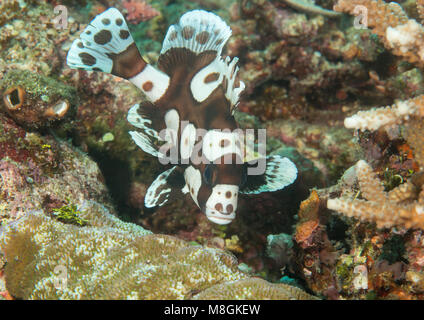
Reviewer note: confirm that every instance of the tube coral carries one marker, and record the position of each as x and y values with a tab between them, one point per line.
34	101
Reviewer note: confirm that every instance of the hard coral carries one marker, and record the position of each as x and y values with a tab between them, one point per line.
110	259
404	204
253	289
403	36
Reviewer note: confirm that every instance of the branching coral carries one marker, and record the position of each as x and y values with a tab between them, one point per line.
409	112
110	259
403	36
386	116
403	206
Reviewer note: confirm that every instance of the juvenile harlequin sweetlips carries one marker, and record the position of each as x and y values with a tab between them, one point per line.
189	116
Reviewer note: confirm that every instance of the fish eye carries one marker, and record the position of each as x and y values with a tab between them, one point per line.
210	174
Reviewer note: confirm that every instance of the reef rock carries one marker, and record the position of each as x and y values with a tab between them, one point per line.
39	172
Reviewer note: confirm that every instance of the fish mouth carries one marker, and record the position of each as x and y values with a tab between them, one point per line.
219	217
219	220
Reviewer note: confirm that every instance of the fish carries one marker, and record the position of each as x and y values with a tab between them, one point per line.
187	120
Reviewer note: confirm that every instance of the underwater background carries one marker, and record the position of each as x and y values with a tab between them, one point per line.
337	84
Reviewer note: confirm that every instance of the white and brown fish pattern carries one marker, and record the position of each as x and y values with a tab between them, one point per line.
193	89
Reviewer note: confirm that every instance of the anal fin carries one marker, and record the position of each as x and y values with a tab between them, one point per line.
156	129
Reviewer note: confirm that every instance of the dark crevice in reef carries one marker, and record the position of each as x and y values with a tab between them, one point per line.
117	177
337	231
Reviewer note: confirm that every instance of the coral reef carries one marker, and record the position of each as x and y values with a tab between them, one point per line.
110	259
138	11
340	258
40	172
402	206
403	36
374	255
291	61
311	77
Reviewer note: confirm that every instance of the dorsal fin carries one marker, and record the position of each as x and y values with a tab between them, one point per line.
197	40
198	31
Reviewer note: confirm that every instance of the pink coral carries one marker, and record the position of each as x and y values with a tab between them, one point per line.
138	11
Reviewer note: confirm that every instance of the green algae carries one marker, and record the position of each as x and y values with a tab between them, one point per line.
69	214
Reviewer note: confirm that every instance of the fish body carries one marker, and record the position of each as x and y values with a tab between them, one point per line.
188	118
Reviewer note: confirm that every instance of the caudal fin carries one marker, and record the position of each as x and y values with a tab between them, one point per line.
107	45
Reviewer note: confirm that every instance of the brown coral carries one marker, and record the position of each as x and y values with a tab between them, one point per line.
110	259
403	205
253	288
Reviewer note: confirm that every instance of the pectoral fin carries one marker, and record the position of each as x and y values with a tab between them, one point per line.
167	186
280	172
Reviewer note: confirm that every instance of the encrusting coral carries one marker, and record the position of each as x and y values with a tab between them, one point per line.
403	36
111	259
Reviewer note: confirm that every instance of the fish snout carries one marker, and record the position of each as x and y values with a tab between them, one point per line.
219	217
222	204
